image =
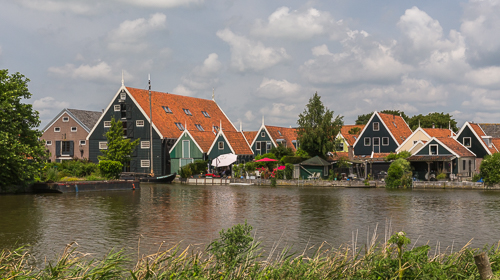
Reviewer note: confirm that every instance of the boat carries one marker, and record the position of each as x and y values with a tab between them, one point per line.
161	179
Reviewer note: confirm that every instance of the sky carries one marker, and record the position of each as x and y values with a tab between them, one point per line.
260	58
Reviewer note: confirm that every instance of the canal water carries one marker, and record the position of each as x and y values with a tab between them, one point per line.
296	216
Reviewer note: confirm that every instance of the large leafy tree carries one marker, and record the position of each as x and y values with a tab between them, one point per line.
21	151
439	120
119	148
363	119
318	128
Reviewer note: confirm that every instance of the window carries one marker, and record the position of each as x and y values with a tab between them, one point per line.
262	134
145	145
123	95
376	141
199	127
268	146
279	132
65	148
376	126
433	149
179	126
144	162
167	110
367	141
83	142
139	123
467	142
258	146
48	143
340	146
187	112
463	164
73	129
205	114
215	128
221	145
415	142
103	145
57	129
107	124
186	153
385	141
65	119
117	108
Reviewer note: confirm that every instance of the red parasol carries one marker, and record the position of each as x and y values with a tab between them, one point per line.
266	159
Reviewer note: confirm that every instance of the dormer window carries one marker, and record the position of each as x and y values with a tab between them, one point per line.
199	127
215	128
187	112
205	114
179	126
467	142
376	126
167	110
487	141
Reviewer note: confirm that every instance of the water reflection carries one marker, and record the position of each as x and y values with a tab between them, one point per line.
296	216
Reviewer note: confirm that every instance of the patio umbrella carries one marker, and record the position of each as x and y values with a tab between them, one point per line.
224	160
266	159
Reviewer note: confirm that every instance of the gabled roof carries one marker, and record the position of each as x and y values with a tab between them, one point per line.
496	142
315	161
491	129
397	126
238	143
203	138
285	133
250	136
351	138
86	119
337	156
479	133
165	122
450	144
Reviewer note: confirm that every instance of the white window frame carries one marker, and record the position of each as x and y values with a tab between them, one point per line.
268	145
369	143
145	145
139	123
220	145
373	141
189	149
262	134
48	142
117	108
378	126
145	163
57	129
75	129
103	145
430	149
107	123
470	142
257	146
385	138
123	95
82	142
65	119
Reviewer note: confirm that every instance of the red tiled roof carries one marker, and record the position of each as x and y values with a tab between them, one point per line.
456	147
250	135
238	143
397	126
439	132
204	139
479	131
166	122
350	137
286	133
337	156
430	158
379	155
496	143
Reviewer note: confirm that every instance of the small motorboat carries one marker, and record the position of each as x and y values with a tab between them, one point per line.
161	179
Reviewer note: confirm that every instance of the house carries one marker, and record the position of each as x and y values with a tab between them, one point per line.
420	136
383	133
443	155
170	113
65	136
473	137
231	142
347	136
268	137
189	147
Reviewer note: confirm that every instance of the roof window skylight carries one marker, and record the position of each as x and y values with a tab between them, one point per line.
187	112
167	110
179	126
199	127
205	114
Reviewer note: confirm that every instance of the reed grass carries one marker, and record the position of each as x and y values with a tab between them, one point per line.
373	260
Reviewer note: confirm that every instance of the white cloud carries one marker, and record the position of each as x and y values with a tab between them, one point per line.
280	114
100	72
49	107
274	89
163	3
131	34
202	77
298	25
487	77
73	6
250	55
182	90
321	50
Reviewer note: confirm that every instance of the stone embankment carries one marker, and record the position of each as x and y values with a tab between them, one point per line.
453	185
264	182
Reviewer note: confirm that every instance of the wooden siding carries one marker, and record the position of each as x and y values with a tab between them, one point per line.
215	152
476	144
361	149
176	154
441	150
266	138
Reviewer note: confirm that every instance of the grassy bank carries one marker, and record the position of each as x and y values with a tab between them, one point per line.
236	255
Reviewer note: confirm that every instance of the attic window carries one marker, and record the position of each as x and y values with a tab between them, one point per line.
433	150
57	129
65	119
199	127
167	110
263	134
187	112
376	126
179	126
205	114
467	142
123	95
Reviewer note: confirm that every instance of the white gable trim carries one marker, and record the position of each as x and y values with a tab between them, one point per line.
467	124
225	116
65	110
442	144
179	139
411	136
368	124
221	133
258	133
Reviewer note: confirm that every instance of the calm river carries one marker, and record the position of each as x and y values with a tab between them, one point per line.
100	221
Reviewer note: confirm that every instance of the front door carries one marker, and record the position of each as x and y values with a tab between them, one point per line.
376	144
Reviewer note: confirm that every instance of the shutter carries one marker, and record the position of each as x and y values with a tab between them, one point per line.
133	166
129	112
58	148
134	153
130	128
71	148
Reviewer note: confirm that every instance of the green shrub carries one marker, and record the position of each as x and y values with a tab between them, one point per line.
51	175
292	159
93	177
110	169
393	156
185	171
399	174
70	179
476	177
441	176
289	171
250	167
490	169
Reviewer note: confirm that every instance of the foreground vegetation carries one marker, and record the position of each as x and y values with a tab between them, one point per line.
236	255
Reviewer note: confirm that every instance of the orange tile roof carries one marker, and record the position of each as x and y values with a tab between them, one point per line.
286	133
496	143
350	137
456	147
337	156
439	132
238	143
397	126
205	139
250	135
479	131
166	122
379	155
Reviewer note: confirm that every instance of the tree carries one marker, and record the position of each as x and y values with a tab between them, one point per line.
363	119
354	131
399	174
119	149
438	120
281	151
490	169
21	151
318	128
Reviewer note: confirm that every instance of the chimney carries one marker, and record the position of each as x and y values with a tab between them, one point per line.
102	110
433	126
